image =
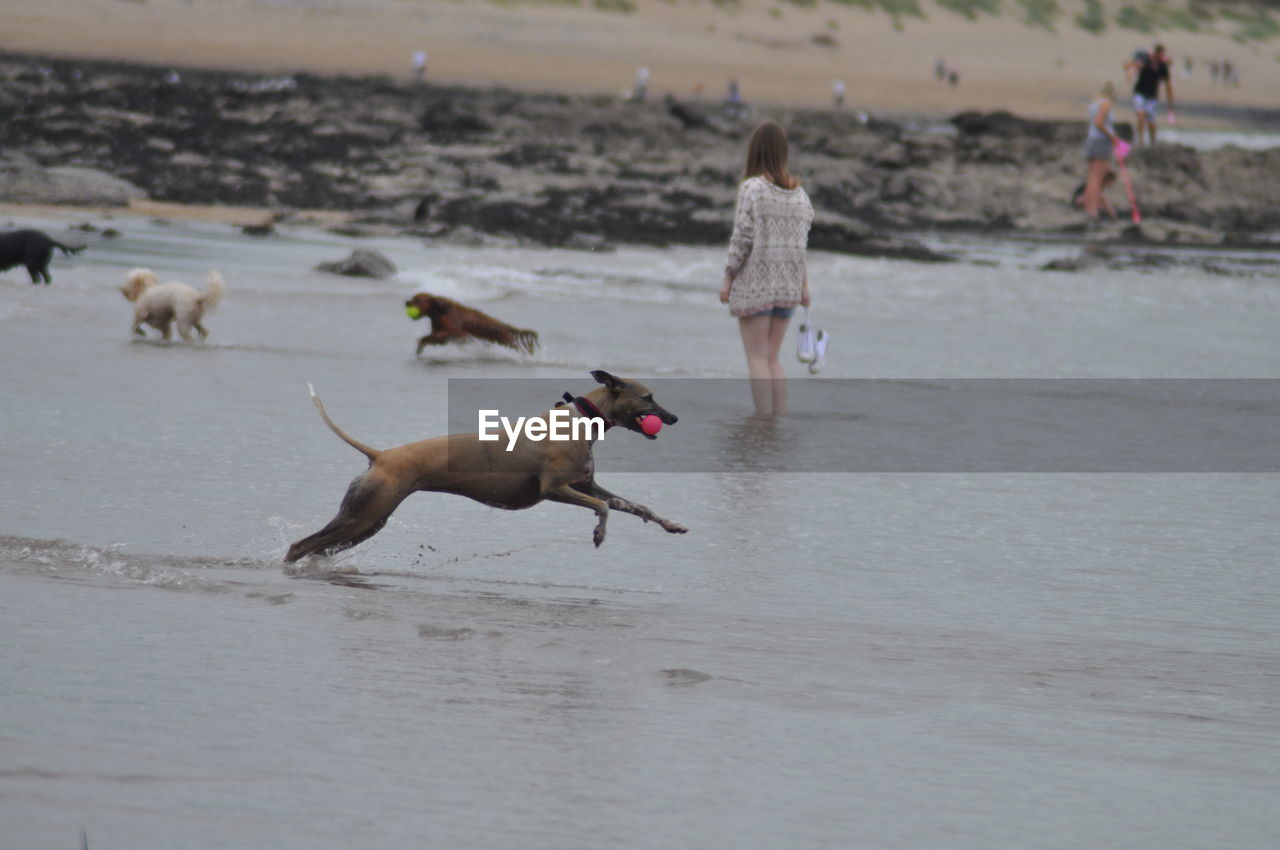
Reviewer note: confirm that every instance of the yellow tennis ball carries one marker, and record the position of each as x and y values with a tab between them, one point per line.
413	311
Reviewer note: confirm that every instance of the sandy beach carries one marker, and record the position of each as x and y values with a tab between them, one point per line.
780	53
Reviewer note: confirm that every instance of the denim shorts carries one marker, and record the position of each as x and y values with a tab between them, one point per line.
1146	104
776	312
1097	147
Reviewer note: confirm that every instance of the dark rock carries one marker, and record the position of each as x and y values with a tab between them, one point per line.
688	119
1066	264
443	120
422	210
1008	125
544	156
850	238
562	170
361	263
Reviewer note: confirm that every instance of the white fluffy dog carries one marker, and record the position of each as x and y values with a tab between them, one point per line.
159	305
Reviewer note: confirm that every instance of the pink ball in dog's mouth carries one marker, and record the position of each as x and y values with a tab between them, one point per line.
651	425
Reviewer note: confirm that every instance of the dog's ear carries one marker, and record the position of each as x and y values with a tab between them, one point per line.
603	377
132	284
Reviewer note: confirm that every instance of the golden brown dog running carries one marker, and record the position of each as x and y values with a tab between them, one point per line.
466	465
451	320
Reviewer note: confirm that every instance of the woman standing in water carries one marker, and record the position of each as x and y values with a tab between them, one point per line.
765	277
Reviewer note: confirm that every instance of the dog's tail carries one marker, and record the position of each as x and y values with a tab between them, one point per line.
68	250
367	451
212	295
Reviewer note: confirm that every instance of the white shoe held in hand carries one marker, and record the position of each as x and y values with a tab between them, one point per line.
806	340
820	353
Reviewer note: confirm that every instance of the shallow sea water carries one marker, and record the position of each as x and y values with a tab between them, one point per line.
825	660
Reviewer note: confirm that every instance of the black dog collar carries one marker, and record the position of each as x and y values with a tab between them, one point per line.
587	408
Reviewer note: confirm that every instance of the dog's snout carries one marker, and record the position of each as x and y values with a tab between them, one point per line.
670	418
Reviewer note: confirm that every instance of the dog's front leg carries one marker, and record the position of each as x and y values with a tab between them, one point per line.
618	503
569	496
433	338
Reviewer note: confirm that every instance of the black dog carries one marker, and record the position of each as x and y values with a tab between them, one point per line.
32	249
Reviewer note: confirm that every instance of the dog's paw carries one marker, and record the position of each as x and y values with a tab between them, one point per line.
674	527
597	536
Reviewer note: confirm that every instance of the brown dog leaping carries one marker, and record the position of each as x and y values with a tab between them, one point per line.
451	320
511	474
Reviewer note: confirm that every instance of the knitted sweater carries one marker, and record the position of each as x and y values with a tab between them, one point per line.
766	251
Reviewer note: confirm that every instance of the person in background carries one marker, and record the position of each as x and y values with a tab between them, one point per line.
837	93
1151	70
733	104
1098	145
641	89
766	276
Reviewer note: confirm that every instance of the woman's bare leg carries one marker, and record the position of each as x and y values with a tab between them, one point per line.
777	335
755	342
1093	187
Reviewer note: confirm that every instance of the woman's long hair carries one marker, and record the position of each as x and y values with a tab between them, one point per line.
767	156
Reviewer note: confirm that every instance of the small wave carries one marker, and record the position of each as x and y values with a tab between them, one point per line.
480	284
578	282
69	560
475	351
469	284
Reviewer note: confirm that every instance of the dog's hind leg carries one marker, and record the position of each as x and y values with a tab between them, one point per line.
570	496
204	334
37	263
184	330
365	509
618	503
338	535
